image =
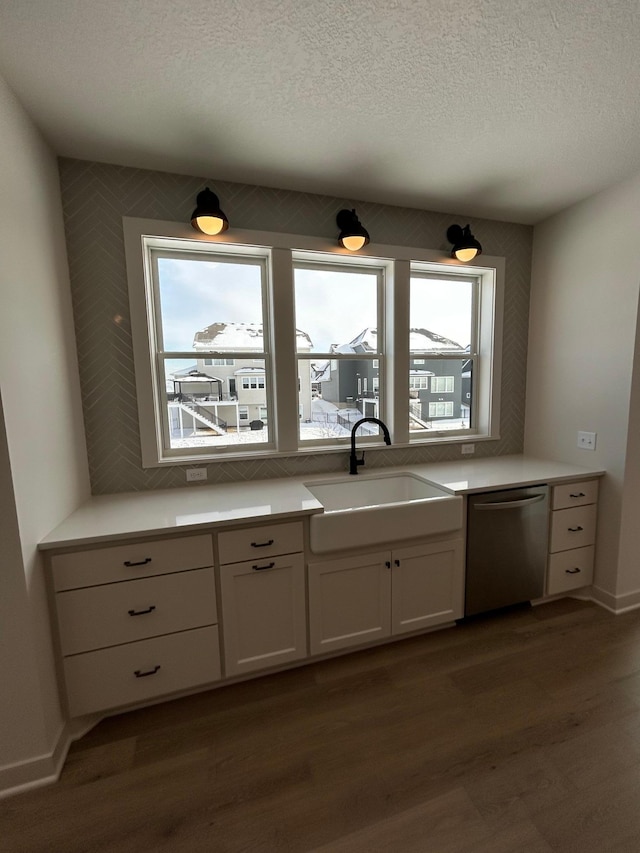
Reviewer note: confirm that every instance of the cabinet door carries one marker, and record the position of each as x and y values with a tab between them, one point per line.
349	602
428	585
263	613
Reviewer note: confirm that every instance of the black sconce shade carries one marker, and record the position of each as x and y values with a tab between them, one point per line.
352	235
207	217
465	245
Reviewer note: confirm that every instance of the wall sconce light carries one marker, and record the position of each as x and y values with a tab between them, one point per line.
465	245
207	217
352	235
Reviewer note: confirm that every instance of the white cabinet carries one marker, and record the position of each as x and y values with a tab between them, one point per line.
263	599
427	585
135	621
572	536
360	599
349	601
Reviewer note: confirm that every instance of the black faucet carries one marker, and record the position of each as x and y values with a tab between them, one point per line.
354	462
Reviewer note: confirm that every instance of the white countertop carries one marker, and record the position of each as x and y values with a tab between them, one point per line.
466	476
129	515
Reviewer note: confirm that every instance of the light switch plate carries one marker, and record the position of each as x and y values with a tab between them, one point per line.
468	448
587	440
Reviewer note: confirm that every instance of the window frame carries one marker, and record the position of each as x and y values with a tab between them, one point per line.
281	251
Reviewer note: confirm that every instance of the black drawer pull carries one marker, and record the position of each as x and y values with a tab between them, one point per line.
388	564
144	562
260	568
142	612
262	544
573	571
140	674
396	563
579	495
575	529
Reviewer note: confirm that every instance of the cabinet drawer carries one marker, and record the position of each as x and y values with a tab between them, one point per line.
134	560
101	616
256	543
136	672
570	570
573	528
575	494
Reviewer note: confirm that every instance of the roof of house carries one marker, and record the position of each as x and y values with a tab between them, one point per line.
420	340
238	337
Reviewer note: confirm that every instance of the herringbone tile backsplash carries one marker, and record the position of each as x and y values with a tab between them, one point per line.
95	198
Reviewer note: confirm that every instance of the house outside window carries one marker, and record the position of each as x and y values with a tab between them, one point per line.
210	337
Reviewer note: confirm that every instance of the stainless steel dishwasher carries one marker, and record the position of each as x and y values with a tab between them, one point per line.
507	535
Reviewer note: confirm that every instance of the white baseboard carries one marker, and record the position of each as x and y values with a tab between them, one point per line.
43	769
617	604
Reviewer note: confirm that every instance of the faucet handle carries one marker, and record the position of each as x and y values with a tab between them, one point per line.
361	460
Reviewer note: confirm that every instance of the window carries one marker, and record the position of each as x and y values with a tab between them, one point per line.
215	323
443	384
220	362
418	382
337	319
252	382
441	410
442	336
204	302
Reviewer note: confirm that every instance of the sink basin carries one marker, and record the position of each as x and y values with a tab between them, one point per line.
367	510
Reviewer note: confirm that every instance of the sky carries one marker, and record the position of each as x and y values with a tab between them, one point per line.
332	306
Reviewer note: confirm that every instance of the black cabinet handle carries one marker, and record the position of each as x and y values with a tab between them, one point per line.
574	529
397	563
579	495
388	564
262	544
260	568
139	563
140	674
142	612
573	571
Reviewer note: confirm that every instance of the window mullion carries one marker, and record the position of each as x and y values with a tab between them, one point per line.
283	348
397	349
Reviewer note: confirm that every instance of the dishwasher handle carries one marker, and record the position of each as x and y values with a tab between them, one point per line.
510	504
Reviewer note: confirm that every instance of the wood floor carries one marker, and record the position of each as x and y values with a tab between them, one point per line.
512	734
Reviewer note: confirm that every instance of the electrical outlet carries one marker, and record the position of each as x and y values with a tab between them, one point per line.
587	440
196	474
468	448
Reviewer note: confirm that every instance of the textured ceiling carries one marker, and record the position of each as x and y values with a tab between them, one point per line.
505	108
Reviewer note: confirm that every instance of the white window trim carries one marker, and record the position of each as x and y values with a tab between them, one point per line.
398	260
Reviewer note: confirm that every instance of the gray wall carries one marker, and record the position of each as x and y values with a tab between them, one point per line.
96	197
